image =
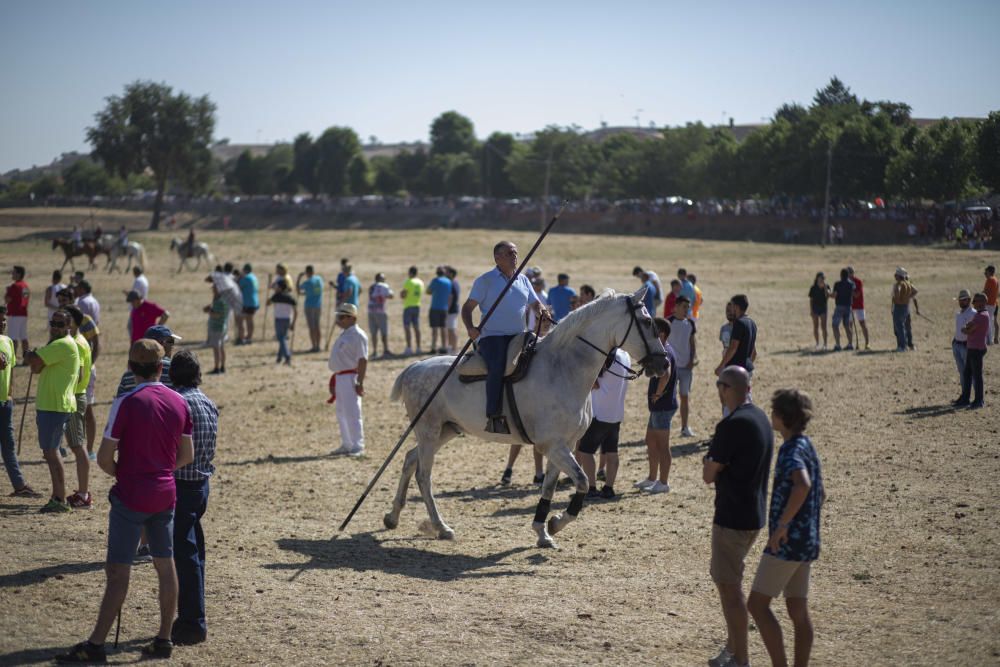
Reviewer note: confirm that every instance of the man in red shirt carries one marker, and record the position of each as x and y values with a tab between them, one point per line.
858	304
150	428
977	331
16	299
991	288
144	315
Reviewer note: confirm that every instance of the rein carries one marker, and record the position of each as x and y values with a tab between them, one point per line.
610	354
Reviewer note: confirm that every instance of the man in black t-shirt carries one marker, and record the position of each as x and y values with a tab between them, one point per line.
738	463
742	350
843	296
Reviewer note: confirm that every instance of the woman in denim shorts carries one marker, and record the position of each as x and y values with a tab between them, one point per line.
662	401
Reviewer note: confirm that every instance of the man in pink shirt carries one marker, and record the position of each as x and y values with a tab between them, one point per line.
144	315
151	429
977	332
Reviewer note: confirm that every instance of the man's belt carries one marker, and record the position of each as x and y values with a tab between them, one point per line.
333	383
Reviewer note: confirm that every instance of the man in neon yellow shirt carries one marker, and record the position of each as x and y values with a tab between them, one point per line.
412	292
75	432
58	367
8	359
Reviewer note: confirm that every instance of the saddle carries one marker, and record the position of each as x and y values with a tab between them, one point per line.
519	354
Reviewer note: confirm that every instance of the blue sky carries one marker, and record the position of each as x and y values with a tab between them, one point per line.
388	68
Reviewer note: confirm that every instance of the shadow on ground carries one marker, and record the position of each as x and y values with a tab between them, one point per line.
363	553
925	411
40	574
31	656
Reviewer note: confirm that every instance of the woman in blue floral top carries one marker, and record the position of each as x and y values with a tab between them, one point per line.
793	530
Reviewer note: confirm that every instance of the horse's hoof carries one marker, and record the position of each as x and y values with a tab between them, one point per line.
390	521
555	524
546	542
446	533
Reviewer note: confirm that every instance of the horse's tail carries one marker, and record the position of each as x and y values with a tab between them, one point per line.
142	256
397	386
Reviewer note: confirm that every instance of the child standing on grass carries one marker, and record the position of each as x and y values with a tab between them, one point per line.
793	528
218	328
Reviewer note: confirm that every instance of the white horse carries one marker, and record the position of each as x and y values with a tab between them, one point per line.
553	401
199	252
133	251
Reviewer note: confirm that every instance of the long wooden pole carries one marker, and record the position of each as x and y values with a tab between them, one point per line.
454	364
20	430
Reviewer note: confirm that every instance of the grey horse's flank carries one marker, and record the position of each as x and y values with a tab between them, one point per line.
553	401
199	252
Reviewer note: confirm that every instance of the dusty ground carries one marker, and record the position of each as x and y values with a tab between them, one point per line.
908	573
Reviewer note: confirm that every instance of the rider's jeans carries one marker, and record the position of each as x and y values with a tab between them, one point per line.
494	352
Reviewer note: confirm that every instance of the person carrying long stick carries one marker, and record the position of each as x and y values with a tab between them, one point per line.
8	360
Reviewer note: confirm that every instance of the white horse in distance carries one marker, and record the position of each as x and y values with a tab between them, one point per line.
199	252
553	401
133	251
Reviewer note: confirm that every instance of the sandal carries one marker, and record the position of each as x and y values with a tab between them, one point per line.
158	648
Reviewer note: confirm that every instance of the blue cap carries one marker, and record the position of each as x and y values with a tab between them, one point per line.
161	332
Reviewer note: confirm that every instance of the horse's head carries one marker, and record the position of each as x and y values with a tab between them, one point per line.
55	243
640	339
174	243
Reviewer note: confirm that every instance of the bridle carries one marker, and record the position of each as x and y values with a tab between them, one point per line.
633	308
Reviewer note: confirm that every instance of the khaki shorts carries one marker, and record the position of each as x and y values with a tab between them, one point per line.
775	576
75	433
729	549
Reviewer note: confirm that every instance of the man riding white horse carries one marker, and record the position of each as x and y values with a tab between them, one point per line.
507	321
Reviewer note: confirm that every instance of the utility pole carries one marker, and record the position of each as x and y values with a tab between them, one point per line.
826	198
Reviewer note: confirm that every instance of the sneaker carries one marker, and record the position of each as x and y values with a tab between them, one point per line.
607	492
539	478
408	351
722	659
25	492
960	402
497	425
355	453
849	347
658	487
340	451
79	502
975	405
817	348
686	432
505	478
836	348
601	475
592	492
55	507
84	652
158	648
142	555
644	484
186	635
92	456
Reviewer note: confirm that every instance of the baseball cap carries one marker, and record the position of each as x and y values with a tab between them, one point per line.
146	351
347	309
131	296
161	332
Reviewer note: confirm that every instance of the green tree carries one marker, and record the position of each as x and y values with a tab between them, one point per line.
409	168
359	176
497	151
560	156
151	127
451	132
335	149
835	94
305	160
84	178
940	165
386	180
988	152
246	174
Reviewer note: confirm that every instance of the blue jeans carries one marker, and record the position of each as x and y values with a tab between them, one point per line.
900	324
7	444
281	333
959	350
973	376
494	351
189	554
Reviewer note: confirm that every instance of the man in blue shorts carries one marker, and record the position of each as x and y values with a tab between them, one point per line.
843	297
440	290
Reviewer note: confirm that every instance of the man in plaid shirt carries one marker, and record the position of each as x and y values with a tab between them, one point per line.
192	501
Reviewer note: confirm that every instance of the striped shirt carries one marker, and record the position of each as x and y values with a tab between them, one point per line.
205	417
127	382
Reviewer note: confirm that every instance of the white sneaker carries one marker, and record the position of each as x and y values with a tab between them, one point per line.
686	432
354	453
722	659
658	487
644	484
340	451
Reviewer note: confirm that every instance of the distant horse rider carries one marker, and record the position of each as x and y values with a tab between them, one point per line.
507	321
122	237
77	237
190	243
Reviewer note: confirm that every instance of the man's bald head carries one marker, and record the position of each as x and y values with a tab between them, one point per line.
737	378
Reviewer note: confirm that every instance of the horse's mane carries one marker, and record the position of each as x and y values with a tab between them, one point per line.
579	319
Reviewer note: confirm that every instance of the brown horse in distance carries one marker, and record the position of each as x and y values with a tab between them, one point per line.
88	248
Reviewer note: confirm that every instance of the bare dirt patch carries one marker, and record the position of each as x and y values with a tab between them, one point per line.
908	571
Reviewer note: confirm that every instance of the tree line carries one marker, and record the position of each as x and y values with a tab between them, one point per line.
869	149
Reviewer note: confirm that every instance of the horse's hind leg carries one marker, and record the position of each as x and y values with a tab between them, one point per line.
429	441
564	460
391	519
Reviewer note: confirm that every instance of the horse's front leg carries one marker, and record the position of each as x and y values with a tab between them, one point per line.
563	458
544	505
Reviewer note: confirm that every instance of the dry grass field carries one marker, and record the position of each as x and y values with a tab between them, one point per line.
908	574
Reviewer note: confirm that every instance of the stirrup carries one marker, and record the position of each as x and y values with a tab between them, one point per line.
497	425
